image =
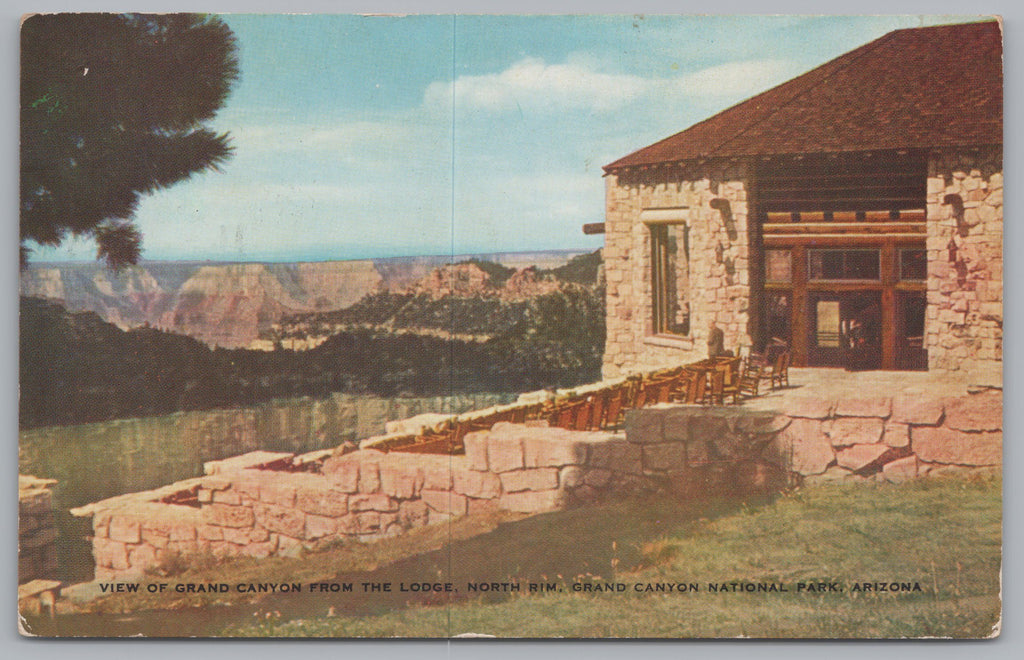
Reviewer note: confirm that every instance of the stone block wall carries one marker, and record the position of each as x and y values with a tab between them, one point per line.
37	531
716	211
263	504
245	509
870	437
964	323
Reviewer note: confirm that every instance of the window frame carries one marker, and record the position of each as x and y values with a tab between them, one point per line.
810	268
658	231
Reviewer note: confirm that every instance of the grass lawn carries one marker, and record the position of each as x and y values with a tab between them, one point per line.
940	536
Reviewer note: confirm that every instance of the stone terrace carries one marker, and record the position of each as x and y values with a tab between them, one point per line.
828	424
834	424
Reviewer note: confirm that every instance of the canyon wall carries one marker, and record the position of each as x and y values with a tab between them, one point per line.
230	304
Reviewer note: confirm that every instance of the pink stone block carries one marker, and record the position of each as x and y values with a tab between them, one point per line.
916	410
125	530
110	554
280	519
413	513
342	473
444	501
844	431
901	469
896	435
476	450
210	533
863	457
476	484
333	503
319	527
645	426
258	535
975	412
156	539
225	515
867	406
349	525
553	448
942	445
182	532
531	479
279	494
532	501
369	477
236	535
762	423
259	550
504	453
434	472
368	521
399	481
226	497
804	444
288	546
372	502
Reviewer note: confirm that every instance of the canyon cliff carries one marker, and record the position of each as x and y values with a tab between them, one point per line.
231	305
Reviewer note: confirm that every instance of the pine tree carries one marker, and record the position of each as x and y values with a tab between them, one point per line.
113	106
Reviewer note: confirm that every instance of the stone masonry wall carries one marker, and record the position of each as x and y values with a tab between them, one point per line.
264	504
37	531
260	505
964	324
719	264
871	437
247	509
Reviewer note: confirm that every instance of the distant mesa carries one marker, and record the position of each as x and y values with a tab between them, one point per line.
468	280
232	305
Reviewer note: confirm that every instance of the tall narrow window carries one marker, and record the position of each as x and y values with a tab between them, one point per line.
670	278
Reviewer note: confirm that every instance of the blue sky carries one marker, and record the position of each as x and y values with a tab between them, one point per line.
384	136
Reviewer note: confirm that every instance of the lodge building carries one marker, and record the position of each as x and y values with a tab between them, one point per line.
853	214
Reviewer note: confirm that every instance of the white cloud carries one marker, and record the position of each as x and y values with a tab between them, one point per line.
740	79
531	84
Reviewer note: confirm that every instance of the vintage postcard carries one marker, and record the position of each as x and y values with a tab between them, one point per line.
511	326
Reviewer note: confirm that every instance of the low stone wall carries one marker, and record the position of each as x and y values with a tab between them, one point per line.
264	504
37	531
890	438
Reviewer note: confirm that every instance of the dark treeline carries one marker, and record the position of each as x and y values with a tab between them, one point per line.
76	368
482	315
477	316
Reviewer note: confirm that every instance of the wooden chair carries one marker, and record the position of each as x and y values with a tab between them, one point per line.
716	393
565	413
778	373
599	409
700	386
617	402
732	370
681	386
748	383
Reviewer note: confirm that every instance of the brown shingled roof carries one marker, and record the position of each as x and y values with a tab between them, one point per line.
917	88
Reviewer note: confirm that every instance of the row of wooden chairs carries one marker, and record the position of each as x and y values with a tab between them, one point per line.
775	371
707	382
